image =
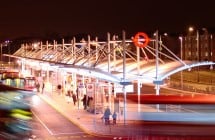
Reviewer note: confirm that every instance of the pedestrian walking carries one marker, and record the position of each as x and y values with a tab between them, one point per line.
84	100
37	86
43	86
59	87
68	96
114	116
74	98
106	116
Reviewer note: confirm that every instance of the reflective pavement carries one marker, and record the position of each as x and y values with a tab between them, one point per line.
90	122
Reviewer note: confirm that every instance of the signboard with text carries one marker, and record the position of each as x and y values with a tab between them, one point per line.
90	89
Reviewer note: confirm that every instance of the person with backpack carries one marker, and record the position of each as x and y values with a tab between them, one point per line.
106	116
114	116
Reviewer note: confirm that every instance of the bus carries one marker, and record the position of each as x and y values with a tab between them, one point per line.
14	79
16	117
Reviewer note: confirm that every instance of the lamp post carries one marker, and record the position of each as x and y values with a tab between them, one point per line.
1	56
1	52
191	29
160	43
181	53
211	57
211	70
197	47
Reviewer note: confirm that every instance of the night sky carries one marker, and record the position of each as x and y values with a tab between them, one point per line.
97	17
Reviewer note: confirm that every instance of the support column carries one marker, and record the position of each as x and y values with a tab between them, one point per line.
124	75
157	86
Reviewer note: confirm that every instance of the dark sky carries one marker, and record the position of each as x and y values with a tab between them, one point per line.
97	17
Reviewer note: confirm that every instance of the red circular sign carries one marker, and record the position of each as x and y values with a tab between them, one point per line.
141	40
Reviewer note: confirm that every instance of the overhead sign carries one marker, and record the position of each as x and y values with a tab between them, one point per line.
141	40
125	83
90	89
158	82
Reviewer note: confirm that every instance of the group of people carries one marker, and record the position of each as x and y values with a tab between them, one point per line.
107	115
87	102
71	96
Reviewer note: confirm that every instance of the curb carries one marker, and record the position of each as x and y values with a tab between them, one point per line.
57	108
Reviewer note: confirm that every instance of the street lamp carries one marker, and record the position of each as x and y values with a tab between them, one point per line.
1	56
161	42
191	29
211	47
211	70
181	53
1	52
181	46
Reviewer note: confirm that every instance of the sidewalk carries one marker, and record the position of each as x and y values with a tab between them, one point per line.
89	122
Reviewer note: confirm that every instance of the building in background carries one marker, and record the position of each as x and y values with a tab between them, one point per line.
199	47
